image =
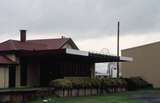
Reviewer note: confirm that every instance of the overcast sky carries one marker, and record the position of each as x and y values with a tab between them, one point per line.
91	23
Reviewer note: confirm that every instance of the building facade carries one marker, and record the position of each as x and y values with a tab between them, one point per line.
146	63
34	63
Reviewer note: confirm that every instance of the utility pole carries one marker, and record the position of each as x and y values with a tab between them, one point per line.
118	48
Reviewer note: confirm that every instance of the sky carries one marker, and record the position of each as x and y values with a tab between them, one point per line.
92	24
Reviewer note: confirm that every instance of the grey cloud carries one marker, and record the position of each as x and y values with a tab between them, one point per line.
80	18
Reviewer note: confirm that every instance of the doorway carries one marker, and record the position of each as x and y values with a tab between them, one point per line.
12	76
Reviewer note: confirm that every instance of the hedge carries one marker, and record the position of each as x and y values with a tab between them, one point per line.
61	83
76	83
130	83
135	83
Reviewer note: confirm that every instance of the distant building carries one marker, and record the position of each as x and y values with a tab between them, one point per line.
146	63
112	69
101	75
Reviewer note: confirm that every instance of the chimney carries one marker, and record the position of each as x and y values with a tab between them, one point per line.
23	35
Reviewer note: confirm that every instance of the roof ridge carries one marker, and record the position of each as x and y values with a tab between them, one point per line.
11	42
37	44
64	42
142	45
69	40
47	39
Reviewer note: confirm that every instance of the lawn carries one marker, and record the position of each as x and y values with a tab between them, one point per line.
91	99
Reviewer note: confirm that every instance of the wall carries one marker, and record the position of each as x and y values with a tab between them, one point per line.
12	57
67	46
16	59
4	76
92	69
91	74
18	75
146	63
33	75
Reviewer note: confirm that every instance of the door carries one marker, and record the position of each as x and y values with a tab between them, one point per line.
12	75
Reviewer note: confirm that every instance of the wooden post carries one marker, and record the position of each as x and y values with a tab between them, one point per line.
118	48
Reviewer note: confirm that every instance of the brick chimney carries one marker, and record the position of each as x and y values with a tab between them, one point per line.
23	35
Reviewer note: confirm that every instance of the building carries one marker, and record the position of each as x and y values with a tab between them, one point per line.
34	63
109	70
146	63
101	75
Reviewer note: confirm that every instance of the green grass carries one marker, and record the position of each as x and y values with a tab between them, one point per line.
92	99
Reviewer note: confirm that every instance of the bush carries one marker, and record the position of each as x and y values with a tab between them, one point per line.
130	83
76	83
106	83
61	83
135	83
95	83
113	83
86	83
121	82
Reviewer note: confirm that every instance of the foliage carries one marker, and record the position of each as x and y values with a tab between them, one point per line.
134	83
87	83
96	83
76	83
106	83
61	83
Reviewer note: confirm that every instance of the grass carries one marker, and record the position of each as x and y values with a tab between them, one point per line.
116	98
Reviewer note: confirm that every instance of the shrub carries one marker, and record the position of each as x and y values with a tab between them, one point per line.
114	82
61	83
121	82
96	83
134	83
76	83
86	83
106	83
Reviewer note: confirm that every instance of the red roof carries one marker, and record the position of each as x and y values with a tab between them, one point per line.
42	44
6	60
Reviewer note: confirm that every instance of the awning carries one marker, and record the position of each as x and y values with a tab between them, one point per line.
75	55
98	57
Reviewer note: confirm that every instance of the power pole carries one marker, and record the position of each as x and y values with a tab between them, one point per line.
118	48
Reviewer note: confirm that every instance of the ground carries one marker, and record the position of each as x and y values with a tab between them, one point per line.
147	96
91	99
143	96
